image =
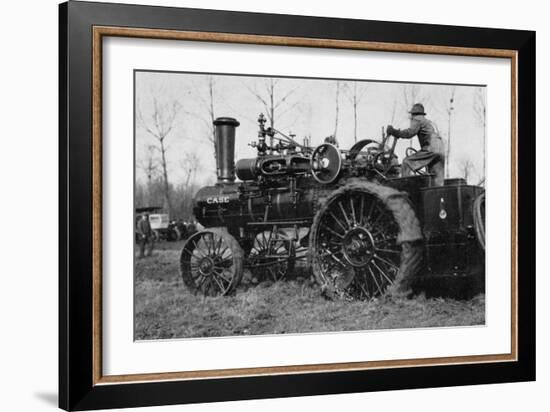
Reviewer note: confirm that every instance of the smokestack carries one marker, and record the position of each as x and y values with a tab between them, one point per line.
225	148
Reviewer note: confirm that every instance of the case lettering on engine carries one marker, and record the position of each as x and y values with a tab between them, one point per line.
217	200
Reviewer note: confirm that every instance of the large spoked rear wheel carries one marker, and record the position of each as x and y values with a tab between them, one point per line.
364	242
211	263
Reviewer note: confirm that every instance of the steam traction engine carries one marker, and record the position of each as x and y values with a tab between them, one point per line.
363	229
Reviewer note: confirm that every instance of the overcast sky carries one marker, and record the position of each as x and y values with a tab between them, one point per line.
309	110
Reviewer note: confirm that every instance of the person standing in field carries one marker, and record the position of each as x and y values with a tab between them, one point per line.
432	154
146	238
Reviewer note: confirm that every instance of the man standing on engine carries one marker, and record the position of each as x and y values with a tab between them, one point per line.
432	153
332	140
145	235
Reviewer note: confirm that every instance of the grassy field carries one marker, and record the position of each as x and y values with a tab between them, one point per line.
165	309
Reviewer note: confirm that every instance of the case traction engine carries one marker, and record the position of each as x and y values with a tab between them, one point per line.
346	214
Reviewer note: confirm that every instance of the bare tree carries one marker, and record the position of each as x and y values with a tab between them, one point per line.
190	164
393	111
267	92
206	95
411	95
414	93
480	114
450	111
150	167
337	107
159	125
466	168
355	92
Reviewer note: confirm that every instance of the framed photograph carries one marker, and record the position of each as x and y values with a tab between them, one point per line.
256	206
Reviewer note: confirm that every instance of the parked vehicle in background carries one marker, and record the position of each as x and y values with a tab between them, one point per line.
164	228
159	222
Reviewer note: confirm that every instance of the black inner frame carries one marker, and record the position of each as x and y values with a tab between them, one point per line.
76	389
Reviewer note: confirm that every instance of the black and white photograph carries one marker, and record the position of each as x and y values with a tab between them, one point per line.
268	205
274	206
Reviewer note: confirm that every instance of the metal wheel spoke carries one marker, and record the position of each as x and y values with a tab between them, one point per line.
208	285
382	272
197	249
383	232
377	216
333	256
201	282
361	209
208	242
365	291
387	262
335	243
337	221
219	245
218	283
200	253
354	218
274	271
269	239
333	231
221	273
225	275
213	244
326	252
375	280
345	214
382	250
371	210
227	259
189	252
387	240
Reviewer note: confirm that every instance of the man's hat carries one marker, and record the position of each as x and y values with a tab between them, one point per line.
418	108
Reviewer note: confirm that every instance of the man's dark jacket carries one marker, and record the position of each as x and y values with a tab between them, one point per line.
144	228
425	130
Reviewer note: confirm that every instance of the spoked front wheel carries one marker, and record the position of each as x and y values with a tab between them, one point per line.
211	263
